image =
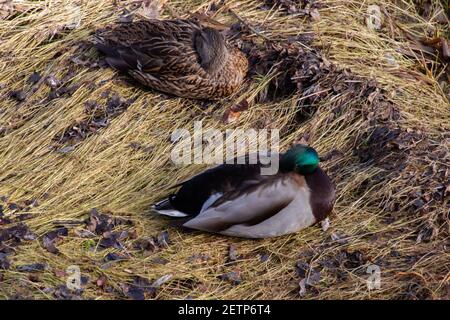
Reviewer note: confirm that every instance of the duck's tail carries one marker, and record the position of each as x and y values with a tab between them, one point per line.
114	58
164	207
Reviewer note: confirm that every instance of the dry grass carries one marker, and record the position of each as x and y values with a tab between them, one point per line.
375	211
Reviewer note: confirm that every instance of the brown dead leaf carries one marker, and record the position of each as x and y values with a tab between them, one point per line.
16	234
232	253
18	95
4	262
241	106
230	116
233	113
151	9
233	277
60	273
50	239
315	15
6	9
138	289
35	267
101	281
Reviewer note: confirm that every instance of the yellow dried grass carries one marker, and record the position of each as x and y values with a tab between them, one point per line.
105	173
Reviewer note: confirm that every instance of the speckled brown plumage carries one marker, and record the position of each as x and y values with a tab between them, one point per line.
179	57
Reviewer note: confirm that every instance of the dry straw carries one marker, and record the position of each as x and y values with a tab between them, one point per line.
383	215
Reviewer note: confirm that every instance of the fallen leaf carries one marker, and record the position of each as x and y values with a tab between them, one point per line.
83	233
18	95
52	81
146	245
150	9
16	234
6	9
34	78
338	238
325	224
101	281
63	293
4	262
133	292
159	260
100	223
113	256
241	106
264	257
313	277
49	246
302	269
315	15
35	267
66	150
60	273
302	284
49	239
202	257
234	277
112	240
233	113
163	239
232	253
33	277
230	116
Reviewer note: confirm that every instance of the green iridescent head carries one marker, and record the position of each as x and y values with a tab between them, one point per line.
300	158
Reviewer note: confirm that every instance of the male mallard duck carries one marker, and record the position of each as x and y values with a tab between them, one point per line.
236	200
180	57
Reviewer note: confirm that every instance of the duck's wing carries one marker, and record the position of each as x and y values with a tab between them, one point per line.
158	47
235	175
273	206
206	187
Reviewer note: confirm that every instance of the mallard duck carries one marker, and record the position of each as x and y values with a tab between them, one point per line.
237	200
179	57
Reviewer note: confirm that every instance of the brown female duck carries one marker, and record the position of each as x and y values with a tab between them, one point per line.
179	57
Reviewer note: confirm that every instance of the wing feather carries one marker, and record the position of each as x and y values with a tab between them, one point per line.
156	47
260	203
